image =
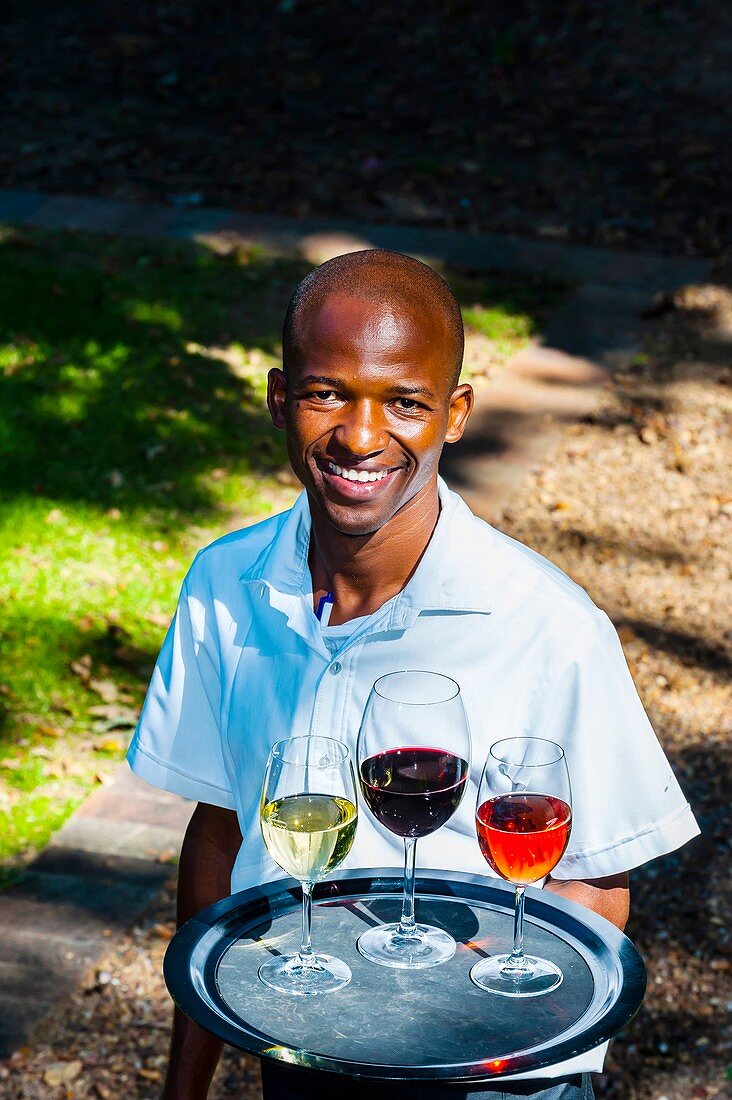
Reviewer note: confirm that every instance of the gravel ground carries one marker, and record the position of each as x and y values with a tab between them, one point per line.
588	120
634	505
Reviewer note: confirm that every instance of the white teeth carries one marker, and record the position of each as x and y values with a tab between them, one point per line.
358	475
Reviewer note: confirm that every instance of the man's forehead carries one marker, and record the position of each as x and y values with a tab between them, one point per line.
375	338
389	313
382	325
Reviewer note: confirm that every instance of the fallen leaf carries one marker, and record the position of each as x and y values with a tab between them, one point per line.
150	1074
50	731
62	1073
108	744
115	716
106	688
168	855
82	668
157	618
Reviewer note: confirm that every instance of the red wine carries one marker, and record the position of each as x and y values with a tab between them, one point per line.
412	792
523	836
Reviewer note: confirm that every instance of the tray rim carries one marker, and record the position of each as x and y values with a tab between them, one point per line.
192	993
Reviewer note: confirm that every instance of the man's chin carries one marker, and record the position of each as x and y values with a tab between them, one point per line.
354	517
354	521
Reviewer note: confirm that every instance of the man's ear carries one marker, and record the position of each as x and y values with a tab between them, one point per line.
277	396
461	406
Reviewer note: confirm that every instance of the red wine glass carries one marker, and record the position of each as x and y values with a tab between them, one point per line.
523	819
413	764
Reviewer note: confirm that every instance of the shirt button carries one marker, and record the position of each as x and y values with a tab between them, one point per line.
336	667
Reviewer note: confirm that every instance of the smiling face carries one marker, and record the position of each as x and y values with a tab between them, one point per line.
367	409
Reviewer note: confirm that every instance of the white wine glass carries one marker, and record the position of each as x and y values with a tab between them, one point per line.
523	819
413	766
308	816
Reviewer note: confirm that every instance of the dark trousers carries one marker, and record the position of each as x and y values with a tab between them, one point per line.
281	1082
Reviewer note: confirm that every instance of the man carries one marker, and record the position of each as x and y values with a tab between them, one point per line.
367	396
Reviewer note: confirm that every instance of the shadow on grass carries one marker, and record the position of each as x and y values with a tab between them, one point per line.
118	380
61	677
109	391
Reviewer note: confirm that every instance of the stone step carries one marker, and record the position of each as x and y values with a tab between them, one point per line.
100	872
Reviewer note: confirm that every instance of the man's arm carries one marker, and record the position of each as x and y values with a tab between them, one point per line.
210	847
610	897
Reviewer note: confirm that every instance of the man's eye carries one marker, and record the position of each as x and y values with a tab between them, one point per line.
407	403
323	395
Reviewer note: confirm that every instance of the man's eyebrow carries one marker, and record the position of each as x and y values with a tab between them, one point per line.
406	391
338	383
321	380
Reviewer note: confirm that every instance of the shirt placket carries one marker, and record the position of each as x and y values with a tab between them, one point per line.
330	716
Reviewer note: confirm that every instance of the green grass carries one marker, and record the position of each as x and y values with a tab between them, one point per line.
132	432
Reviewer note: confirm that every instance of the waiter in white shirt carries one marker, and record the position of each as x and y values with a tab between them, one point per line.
368	395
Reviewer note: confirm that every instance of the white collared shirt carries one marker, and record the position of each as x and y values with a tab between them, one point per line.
245	664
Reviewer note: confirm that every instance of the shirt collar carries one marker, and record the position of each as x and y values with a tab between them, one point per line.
454	573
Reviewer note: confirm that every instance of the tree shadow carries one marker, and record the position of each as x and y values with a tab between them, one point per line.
134	372
112	395
493	432
674	1042
665	893
691	650
665	552
103	662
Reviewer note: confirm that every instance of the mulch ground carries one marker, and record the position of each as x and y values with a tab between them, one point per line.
591	120
635	507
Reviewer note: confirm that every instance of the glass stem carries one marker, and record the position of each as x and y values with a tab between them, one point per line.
516	958
407	923
305	955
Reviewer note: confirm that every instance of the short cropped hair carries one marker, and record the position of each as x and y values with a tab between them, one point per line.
379	276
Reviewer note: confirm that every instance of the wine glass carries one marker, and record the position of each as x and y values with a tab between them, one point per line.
413	763
308	817
523	819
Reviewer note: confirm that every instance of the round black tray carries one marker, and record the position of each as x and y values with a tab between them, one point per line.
396	1024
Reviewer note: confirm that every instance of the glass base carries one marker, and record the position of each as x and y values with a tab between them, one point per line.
419	949
498	975
287	974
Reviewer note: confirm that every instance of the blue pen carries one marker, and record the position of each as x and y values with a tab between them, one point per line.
327	598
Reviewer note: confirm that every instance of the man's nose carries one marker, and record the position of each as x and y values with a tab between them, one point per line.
362	430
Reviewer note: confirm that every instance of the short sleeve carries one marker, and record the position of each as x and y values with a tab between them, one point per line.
627	806
177	745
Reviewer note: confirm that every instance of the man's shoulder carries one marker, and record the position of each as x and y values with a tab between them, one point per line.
231	555
522	578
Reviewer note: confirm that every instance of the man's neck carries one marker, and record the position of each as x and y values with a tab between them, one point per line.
364	571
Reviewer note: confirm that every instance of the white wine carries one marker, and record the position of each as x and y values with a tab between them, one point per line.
308	835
